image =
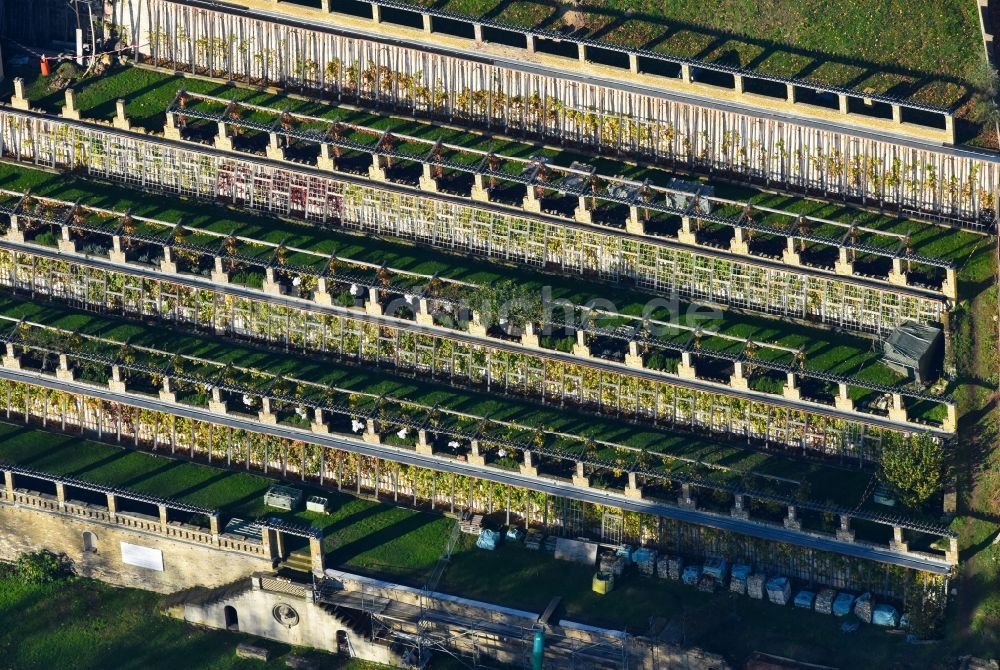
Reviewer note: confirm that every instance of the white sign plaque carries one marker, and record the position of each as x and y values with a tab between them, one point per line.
142	557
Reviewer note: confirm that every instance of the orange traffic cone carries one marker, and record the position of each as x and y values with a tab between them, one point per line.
45	67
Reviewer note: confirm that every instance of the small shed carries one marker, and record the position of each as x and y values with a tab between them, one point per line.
283	497
915	349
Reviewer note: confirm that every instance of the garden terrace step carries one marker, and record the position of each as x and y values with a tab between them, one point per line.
408	267
559	59
280	267
590	190
464	151
399	403
25	385
239	311
528	239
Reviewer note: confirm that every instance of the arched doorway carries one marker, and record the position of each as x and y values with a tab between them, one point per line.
89	542
232	619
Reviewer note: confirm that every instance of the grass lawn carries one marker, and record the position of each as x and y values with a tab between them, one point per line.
360	535
727	624
87	625
886	46
839	353
148	94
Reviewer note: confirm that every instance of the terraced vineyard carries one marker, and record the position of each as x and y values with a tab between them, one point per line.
645	309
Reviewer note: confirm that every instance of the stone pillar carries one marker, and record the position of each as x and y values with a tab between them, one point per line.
479	191
476	326
371	435
219	274
633	63
791	390
897	114
950	423
739	510
580	477
897	275
15	233
529	337
223	141
117	253
949	128
63	372
18	101
427	181
214	526
842	103
319	424
66	243
69	110
274	150
634	225
121	121
317	556
217	404
633	358
685	369
163	515
738	380
376	171
8	484
844	533
739	244
528	467
580	347
269	540
686	234
790	93
686	73
952	554
897	409
372	305
790	254
322	294
843	401
326	160
475	457
423	316
791	521
423	446
376	13
324	6
633	490
685	499
271	284
167	263
11	359
581	52
265	415
898	543
582	212
112	505
843	265
950	284
738	83
532	203
530	43
170	130
477	32
166	393
116	384
61	494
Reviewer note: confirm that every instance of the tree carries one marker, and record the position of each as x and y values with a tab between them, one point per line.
915	467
